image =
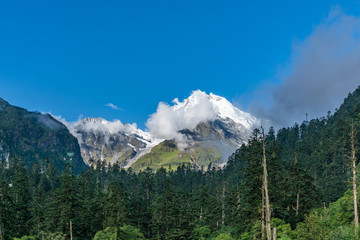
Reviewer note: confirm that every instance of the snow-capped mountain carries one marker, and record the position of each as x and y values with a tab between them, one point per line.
221	108
206	128
202	117
229	124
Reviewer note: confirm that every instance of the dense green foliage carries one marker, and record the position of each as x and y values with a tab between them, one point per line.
308	173
168	155
35	137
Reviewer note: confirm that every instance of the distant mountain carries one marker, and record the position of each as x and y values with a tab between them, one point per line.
36	137
211	140
112	142
199	140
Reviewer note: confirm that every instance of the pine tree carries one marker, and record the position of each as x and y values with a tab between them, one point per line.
6	212
64	205
251	185
39	184
115	208
91	214
21	200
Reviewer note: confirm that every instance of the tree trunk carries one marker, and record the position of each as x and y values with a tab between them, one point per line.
71	230
298	193
1	234
297	203
274	236
223	205
353	159
265	180
262	213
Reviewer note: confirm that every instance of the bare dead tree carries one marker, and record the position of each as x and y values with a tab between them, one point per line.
266	191
71	235
274	238
297	203
223	205
353	163
262	213
298	193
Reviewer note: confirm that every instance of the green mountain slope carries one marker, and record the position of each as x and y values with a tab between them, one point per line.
168	155
35	137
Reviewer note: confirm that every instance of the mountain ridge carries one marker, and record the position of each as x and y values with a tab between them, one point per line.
202	122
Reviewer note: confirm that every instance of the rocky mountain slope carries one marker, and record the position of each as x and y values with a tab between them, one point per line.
112	142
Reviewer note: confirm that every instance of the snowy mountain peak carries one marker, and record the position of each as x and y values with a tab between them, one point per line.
219	105
198	107
224	109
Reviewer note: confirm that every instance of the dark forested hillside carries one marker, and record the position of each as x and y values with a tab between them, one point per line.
35	137
322	147
308	173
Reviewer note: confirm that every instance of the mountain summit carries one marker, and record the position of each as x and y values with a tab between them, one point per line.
221	107
202	129
200	107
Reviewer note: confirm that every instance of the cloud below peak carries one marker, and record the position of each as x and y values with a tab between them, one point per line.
168	120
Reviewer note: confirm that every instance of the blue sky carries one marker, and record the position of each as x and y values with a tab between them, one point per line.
73	58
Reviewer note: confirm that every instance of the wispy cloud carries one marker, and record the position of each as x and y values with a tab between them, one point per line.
113	106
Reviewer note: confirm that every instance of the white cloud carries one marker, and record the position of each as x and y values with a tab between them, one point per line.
98	125
168	120
113	106
102	126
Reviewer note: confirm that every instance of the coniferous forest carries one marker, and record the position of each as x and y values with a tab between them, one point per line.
309	176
